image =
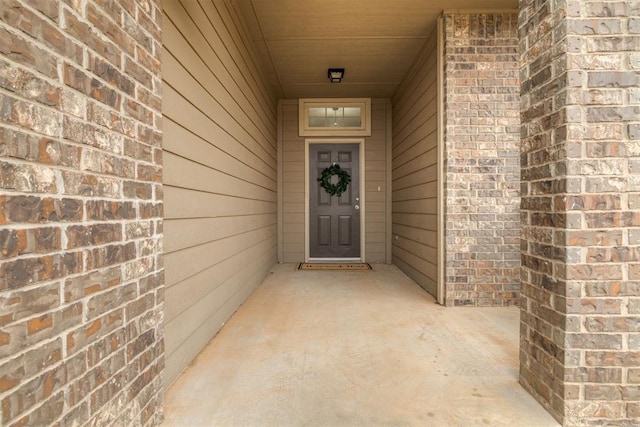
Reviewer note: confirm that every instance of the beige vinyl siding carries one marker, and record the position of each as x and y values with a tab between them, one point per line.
292	184
375	183
220	231
293	198
415	170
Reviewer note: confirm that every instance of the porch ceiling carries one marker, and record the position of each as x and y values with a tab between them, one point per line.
376	41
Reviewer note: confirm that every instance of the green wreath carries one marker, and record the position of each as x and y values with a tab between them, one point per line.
342	184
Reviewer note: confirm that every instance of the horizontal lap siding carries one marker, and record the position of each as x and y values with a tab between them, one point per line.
220	175
293	184
415	171
375	178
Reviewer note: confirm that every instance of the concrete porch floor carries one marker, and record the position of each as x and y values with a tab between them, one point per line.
343	348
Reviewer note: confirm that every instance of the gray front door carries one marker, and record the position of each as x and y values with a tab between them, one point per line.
334	222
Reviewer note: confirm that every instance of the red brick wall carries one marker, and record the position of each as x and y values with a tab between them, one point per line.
81	282
482	164
580	352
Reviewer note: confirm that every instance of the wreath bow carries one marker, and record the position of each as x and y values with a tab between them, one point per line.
342	184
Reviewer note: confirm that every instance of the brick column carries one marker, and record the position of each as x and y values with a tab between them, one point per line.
580	352
81	282
482	140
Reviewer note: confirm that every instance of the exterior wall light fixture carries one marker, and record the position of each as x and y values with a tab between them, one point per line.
335	74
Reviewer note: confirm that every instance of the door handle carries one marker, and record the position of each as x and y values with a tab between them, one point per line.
357	207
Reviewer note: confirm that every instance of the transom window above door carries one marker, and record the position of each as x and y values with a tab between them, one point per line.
335	117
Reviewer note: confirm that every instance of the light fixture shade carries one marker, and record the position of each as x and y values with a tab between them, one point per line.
335	75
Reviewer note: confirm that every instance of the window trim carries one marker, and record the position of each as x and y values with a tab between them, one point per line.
304	104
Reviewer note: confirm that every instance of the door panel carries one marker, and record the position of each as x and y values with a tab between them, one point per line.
344	230
324	198
334	222
324	230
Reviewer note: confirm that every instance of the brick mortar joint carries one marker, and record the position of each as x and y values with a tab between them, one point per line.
61	27
84	199
62	115
118	394
83	220
43	283
69	385
85	148
61	60
125	240
62	336
158	393
83	18
34	408
85	172
84	121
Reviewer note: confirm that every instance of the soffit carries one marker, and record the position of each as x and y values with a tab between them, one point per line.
376	41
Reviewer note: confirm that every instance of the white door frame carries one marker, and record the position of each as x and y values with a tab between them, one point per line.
360	142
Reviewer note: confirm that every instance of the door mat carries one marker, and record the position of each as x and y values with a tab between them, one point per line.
357	266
